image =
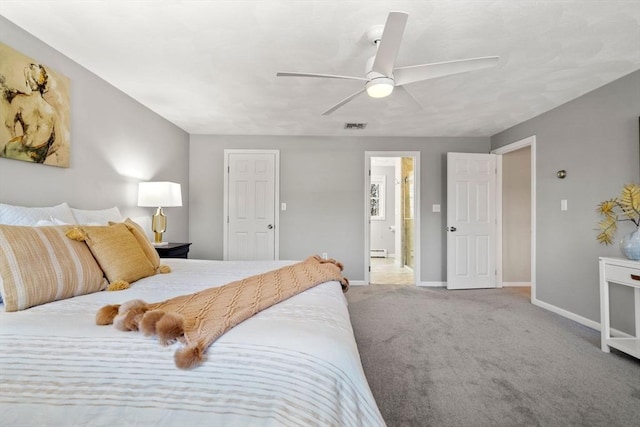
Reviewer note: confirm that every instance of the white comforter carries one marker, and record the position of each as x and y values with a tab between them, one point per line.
294	364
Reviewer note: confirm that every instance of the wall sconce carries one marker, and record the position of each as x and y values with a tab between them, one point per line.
158	194
562	174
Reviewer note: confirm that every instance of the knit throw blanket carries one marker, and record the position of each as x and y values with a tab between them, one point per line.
198	319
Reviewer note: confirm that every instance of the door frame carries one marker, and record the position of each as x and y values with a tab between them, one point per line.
225	218
526	142
416	206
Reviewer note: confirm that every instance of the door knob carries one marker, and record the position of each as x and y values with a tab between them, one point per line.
269	226
452	229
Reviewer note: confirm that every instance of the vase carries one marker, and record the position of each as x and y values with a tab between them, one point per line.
630	245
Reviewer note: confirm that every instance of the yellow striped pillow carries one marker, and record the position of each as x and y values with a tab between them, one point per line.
40	264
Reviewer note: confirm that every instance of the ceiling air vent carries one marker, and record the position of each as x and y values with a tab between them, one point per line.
355	125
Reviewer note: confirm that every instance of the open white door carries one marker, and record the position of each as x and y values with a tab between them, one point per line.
251	205
471	221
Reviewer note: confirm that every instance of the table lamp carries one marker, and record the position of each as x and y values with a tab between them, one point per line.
159	194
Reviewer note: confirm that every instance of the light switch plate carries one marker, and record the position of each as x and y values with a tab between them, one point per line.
563	205
435	208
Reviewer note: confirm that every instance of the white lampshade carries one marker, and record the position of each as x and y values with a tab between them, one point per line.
159	194
379	87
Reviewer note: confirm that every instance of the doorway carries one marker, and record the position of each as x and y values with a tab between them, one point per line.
392	223
516	203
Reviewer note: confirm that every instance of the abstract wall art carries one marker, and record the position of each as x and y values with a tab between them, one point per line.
34	110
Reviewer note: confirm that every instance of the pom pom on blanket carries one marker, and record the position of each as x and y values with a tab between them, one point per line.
189	357
149	322
106	314
129	315
169	328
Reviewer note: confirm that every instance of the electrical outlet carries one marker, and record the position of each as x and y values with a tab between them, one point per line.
324	255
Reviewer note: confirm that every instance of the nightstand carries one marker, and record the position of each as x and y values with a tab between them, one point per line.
174	250
622	272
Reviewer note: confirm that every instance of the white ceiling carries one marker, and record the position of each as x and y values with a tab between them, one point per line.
210	66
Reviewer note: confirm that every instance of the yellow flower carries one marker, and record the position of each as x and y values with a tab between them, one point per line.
629	206
607	206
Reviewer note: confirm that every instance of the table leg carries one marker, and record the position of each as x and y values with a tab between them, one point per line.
605	332
636	310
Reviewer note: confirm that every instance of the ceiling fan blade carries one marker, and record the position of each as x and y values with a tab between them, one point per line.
344	101
389	43
326	76
415	73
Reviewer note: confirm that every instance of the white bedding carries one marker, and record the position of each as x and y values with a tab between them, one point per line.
294	364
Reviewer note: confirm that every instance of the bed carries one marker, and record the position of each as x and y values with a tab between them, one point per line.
294	364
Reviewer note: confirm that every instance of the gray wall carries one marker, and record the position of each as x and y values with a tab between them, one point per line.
322	182
115	143
595	138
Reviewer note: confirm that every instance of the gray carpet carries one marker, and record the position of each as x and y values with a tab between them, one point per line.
486	358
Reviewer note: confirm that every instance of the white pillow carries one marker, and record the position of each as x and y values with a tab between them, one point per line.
97	216
22	215
49	223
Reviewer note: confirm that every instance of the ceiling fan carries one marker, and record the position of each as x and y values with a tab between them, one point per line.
381	76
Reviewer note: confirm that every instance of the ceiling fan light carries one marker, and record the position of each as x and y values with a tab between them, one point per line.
380	87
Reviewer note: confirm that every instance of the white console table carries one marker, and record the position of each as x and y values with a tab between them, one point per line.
626	273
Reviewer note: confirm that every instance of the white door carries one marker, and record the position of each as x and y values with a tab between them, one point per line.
251	207
471	221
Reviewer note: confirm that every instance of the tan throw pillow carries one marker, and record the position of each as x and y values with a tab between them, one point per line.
117	251
148	249
39	265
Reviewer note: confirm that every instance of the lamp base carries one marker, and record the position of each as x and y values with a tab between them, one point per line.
159	225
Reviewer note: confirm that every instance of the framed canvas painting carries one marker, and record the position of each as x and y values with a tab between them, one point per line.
34	110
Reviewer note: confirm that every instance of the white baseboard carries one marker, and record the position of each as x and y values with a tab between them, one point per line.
510	284
577	318
421	284
444	284
568	314
433	284
358	283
